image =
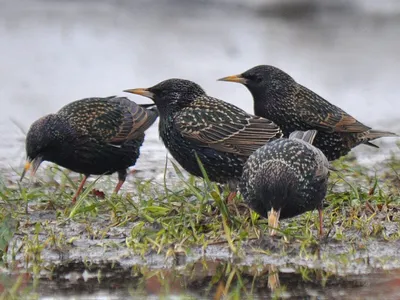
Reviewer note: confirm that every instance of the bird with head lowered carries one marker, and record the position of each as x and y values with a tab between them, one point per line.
90	136
286	178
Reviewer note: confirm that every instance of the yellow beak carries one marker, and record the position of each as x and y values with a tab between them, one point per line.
31	164
141	92
26	168
234	78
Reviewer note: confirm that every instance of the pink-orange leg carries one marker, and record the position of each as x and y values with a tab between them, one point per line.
231	196
121	179
80	188
118	187
321	222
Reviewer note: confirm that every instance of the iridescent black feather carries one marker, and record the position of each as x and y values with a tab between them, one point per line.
278	97
91	136
221	134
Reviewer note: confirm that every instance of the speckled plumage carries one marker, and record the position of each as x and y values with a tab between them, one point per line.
221	134
91	136
288	175
278	97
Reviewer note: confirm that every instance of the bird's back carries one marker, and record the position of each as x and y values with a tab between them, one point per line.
298	156
221	134
82	111
303	109
112	119
106	134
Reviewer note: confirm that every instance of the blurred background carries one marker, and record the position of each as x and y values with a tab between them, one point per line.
54	52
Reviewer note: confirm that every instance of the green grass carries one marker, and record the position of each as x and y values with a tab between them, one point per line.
171	219
193	212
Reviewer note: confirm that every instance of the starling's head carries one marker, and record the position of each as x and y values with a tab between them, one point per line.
260	78
39	141
177	93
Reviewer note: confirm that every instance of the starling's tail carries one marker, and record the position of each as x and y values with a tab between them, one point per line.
375	134
307	136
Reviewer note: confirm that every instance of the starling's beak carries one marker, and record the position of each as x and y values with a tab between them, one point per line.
273	221
26	168
234	78
141	92
33	165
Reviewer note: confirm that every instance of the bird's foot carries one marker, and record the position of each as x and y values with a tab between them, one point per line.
99	194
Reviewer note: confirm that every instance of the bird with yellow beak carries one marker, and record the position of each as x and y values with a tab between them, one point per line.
91	136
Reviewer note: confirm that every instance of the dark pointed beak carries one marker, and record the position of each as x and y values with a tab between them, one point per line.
33	165
234	78
141	92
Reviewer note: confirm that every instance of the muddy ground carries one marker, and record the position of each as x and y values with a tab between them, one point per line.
95	253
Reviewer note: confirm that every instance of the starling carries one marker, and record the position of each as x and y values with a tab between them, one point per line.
278	97
90	136
286	178
222	135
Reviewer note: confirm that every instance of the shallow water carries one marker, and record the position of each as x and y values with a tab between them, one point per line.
54	52
207	279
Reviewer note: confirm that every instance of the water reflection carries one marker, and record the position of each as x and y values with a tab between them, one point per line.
203	280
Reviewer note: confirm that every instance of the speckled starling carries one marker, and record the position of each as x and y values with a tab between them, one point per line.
90	136
286	178
222	135
278	97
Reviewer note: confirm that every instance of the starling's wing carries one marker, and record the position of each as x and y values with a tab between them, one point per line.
136	119
83	115
113	119
224	127
324	116
318	158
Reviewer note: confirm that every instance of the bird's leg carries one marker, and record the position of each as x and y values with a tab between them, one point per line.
80	188
118	187
121	180
231	196
321	221
273	221
232	185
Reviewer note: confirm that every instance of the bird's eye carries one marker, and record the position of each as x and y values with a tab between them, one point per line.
258	79
255	78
